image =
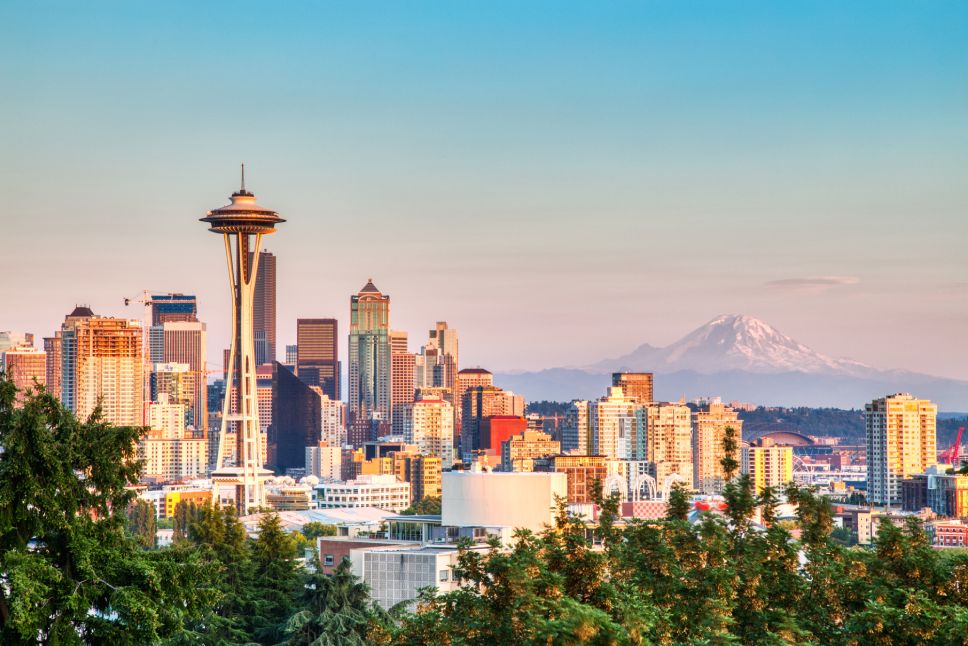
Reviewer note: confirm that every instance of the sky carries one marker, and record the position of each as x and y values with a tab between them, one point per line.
560	181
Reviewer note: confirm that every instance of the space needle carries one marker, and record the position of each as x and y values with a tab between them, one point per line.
242	223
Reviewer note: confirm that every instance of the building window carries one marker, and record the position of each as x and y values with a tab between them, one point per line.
444	575
328	559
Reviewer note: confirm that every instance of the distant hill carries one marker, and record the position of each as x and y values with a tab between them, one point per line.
741	358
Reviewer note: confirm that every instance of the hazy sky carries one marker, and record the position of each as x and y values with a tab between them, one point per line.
559	181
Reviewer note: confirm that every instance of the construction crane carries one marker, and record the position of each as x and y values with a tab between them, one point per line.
950	455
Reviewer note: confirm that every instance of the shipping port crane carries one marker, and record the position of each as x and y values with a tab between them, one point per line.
950	455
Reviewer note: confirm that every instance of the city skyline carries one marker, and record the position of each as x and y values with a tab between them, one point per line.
820	183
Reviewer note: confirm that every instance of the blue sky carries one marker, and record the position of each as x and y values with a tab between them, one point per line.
560	181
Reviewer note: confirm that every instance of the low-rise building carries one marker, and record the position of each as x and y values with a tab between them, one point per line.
496	499
380	491
950	533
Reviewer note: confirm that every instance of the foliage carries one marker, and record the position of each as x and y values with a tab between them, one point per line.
335	610
141	522
78	566
315	529
69	572
428	505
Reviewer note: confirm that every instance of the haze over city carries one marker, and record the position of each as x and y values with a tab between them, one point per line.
536	176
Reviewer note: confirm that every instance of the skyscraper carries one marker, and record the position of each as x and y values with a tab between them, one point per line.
443	341
901	441
102	365
666	429
26	367
296	419
52	348
636	385
369	357
480	403
242	223
172	307
613	426
317	354
767	464
430	426
401	381
264	309
707	445
177	336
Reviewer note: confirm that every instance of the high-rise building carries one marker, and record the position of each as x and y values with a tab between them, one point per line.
242	223
369	357
519	451
576	436
169	308
612	422
332	421
177	382
168	452
9	339
707	445
296	419
901	441
264	309
423	472
637	386
317	354
666	429
472	378
497	429
178	337
430	426
767	464
582	472
443	343
52	348
324	461
102	365
436	365
481	402
26	367
292	355
402	378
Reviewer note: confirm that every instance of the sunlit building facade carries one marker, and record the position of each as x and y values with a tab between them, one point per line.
901	441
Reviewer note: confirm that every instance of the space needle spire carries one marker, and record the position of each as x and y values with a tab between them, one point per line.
242	223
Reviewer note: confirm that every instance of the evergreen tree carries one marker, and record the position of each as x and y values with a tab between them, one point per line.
276	579
69	573
335	610
142	523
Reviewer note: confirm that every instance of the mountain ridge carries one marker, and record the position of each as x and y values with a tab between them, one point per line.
740	357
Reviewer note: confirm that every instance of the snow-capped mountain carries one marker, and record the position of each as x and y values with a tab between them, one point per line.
734	342
741	358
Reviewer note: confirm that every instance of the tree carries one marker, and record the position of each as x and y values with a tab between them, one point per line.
186	512
678	506
314	529
276	579
69	573
141	522
335	610
428	505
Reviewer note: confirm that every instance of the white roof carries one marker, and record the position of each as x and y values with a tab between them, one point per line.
294	520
